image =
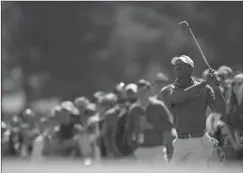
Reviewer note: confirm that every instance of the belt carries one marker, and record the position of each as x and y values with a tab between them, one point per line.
189	136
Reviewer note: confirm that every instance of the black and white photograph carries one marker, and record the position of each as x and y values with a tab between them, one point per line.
122	86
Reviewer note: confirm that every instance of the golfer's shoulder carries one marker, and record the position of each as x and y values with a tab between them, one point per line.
198	82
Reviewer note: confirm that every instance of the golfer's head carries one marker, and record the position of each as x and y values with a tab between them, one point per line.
183	66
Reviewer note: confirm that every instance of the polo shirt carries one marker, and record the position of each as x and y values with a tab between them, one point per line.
189	114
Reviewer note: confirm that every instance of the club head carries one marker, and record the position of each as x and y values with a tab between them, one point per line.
183	22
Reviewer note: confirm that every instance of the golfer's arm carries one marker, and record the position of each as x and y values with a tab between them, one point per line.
179	96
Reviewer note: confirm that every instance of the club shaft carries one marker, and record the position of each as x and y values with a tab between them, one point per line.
199	48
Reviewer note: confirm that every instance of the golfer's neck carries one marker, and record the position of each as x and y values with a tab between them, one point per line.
184	80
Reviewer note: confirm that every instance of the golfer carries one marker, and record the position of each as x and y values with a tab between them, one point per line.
188	101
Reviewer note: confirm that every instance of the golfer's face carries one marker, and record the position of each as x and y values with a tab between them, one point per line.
182	69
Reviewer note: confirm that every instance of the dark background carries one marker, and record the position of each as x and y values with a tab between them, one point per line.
69	49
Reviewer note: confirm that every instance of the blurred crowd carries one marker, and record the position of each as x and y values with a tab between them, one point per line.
95	127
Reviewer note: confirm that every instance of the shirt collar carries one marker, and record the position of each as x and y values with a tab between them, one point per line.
184	84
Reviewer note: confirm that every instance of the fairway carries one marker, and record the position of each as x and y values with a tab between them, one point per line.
62	166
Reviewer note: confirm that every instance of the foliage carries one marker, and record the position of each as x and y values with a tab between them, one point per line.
81	47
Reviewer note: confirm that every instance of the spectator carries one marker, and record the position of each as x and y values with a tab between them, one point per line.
29	130
5	133
97	96
225	72
225	75
161	80
146	122
235	116
111	119
81	103
64	142
131	93
90	111
120	90
120	138
15	122
42	145
15	142
30	118
29	135
105	103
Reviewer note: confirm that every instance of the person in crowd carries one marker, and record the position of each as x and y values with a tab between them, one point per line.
235	114
42	145
187	100
15	142
15	121
88	140
225	75
226	71
123	103
131	93
64	141
30	130
112	118
236	103
119	90
147	120
228	132
97	96
81	103
13	137
29	136
161	80
89	112
5	133
104	103
30	118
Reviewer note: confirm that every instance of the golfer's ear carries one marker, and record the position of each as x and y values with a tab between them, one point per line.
190	68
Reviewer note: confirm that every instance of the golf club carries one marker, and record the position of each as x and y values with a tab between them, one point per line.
205	60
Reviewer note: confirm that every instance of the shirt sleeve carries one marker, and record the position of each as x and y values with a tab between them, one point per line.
164	96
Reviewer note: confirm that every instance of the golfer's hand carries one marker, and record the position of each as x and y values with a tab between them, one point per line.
214	141
212	78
